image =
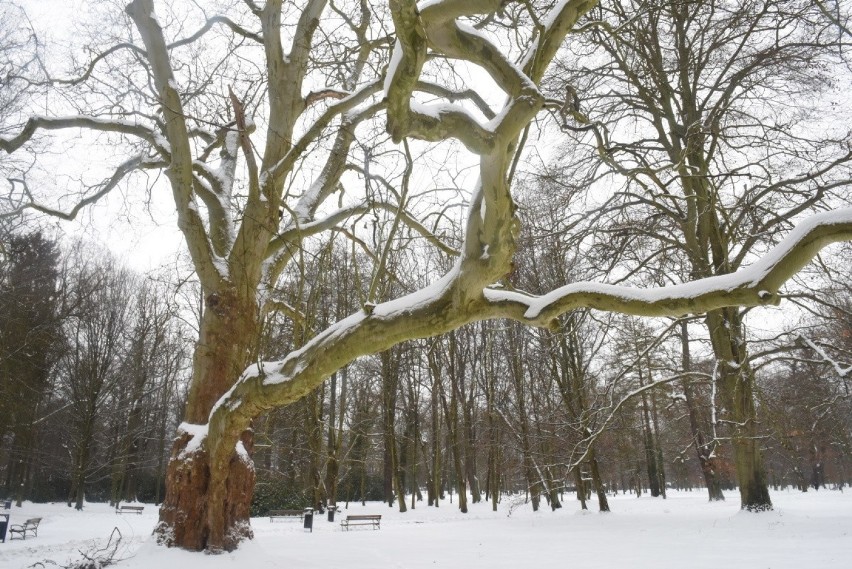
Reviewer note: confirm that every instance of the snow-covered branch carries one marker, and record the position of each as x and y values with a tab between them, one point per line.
841	371
754	285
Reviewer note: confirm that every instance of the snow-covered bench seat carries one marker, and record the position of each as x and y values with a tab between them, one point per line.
373	520
29	526
275	514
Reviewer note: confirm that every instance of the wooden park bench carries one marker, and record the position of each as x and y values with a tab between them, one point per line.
373	520
31	525
274	514
132	509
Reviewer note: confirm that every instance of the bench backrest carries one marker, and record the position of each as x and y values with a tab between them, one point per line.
32	522
364	517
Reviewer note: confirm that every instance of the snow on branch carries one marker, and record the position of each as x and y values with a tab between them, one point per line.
840	370
345	106
754	285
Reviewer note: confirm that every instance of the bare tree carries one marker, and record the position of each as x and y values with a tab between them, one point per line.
241	231
91	366
694	109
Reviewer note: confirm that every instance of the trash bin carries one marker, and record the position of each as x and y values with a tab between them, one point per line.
331	510
4	524
309	519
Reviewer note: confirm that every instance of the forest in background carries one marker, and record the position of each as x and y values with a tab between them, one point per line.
95	363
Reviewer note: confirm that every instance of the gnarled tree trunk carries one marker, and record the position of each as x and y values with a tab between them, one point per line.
228	329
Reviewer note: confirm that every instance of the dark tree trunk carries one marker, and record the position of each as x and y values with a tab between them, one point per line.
196	514
704	450
736	381
603	503
650	454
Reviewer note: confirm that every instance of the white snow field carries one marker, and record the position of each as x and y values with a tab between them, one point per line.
805	530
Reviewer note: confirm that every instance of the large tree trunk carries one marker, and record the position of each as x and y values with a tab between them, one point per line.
736	382
189	493
196	515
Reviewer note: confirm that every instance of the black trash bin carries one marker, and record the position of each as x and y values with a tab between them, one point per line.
331	510
4	525
309	519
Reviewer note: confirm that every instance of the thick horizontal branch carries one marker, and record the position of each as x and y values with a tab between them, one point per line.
35	124
455	96
754	285
236	28
438	122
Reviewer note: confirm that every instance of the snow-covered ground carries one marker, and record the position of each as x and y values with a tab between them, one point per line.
805	530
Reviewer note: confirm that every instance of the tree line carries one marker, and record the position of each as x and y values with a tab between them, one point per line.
93	365
94	369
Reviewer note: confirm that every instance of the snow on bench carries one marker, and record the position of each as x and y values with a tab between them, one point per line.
373	520
274	514
31	525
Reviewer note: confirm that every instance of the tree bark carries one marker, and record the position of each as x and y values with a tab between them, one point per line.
706	452
194	514
736	381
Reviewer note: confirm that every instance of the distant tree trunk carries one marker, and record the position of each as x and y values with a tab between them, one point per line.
389	395
600	490
316	456
492	483
581	487
470	453
393	484
706	452
451	412
435	494
335	435
649	446
86	434
533	480
658	451
817	455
